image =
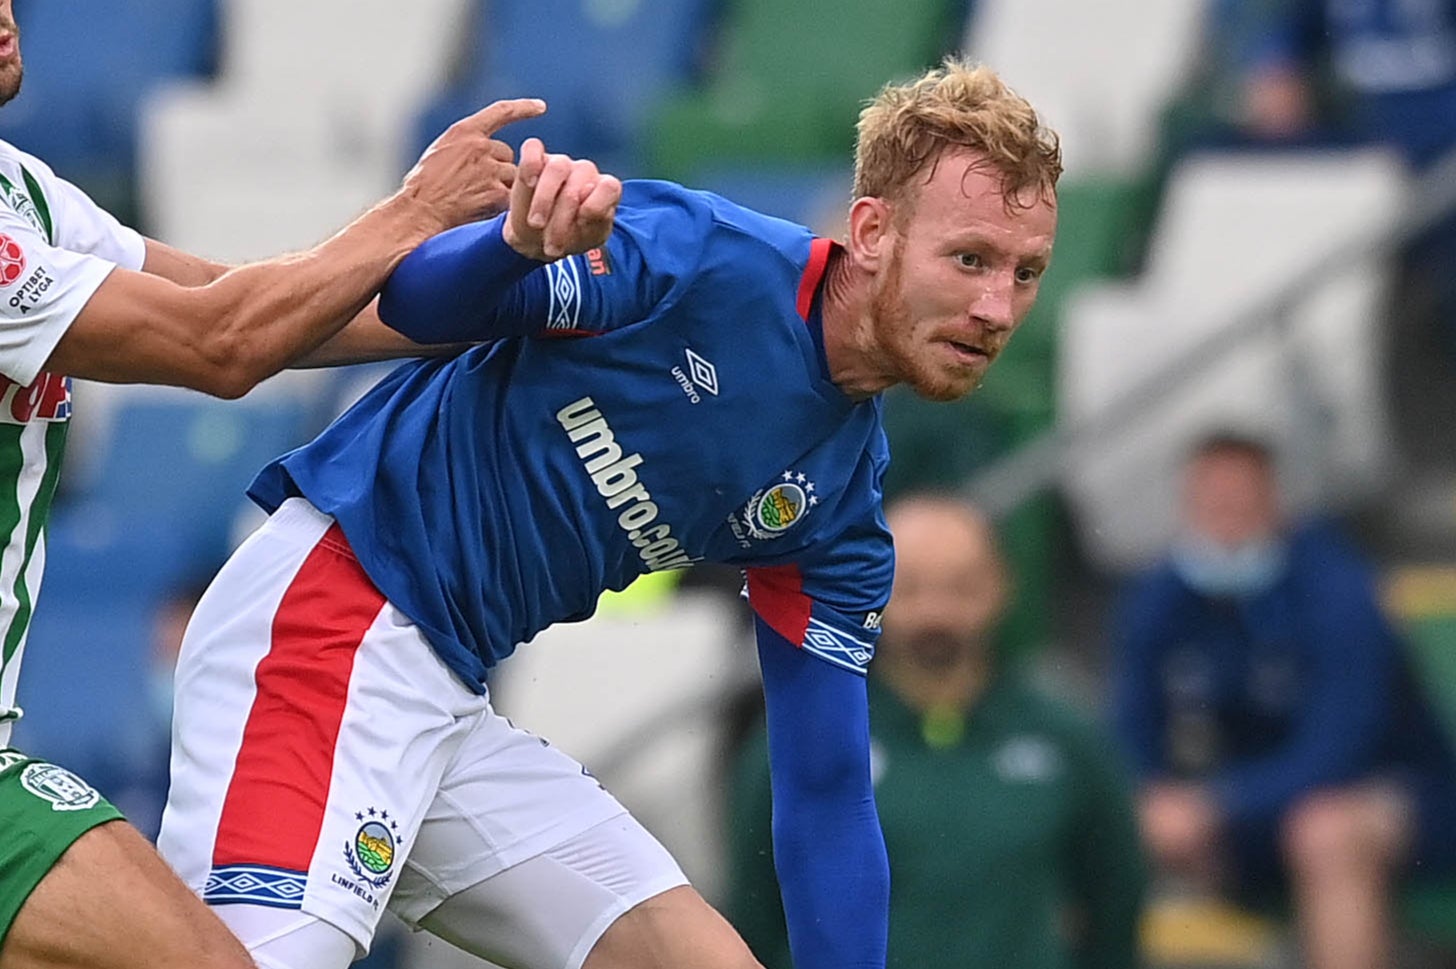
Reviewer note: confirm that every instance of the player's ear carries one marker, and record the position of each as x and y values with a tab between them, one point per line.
871	232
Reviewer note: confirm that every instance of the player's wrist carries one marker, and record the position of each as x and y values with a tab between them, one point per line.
412	218
529	248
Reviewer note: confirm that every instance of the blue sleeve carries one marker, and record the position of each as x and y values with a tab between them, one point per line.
1137	711
463	284
829	851
467	284
1348	698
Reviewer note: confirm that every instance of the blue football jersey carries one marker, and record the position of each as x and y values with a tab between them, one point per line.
670	404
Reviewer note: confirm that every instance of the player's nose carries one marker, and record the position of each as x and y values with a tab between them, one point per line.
993	305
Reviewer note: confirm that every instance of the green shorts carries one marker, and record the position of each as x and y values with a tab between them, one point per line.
43	810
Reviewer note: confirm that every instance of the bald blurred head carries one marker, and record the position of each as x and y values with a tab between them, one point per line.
950	583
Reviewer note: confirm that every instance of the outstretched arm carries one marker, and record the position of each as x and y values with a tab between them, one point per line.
248	323
364	339
828	847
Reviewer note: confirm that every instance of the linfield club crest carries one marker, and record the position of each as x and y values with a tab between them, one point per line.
774	510
371	853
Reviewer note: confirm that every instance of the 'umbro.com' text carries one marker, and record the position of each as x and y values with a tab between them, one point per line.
617	482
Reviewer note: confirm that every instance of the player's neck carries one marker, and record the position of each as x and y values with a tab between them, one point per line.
855	364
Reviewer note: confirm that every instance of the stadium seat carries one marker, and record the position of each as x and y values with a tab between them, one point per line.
303	130
360	70
1098	72
150	514
637	698
88	65
85	687
789	83
228	177
1233	229
157	505
602	66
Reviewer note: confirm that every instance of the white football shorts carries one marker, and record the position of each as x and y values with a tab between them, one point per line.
326	763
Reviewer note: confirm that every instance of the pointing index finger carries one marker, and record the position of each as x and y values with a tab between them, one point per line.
498	114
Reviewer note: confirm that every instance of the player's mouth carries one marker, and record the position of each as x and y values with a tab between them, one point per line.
7	45
969	354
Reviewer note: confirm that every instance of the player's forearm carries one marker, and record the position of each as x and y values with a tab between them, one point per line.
834	877
182	268
257	319
454	287
365	339
829	851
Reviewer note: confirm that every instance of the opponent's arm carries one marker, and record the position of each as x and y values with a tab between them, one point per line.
368	340
364	339
828	848
248	323
182	268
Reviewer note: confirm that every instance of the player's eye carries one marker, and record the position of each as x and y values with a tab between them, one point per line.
970	260
1027	274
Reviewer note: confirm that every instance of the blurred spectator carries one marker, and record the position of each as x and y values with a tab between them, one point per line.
1389	67
1303	72
1009	825
1264	699
1312	73
1385	73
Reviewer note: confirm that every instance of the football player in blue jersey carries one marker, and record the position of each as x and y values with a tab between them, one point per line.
661	377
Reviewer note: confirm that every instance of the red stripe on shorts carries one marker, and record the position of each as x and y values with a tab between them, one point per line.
274	807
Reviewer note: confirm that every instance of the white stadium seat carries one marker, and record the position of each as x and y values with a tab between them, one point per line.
229	179
1234	228
374	57
637	698
1099	72
306	126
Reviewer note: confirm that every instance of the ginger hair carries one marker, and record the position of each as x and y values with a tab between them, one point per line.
906	129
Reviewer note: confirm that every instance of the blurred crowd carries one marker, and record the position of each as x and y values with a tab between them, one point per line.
1234	750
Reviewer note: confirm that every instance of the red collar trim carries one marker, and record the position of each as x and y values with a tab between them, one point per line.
819	251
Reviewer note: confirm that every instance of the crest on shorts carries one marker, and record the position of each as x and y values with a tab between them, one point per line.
64	790
371	853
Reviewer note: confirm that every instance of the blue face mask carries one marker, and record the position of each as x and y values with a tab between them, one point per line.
1220	571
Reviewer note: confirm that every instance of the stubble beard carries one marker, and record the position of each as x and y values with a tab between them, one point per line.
11	74
895	332
10	78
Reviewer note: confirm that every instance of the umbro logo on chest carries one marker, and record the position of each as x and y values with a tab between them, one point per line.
700	375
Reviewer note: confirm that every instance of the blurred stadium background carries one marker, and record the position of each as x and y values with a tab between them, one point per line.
1191	286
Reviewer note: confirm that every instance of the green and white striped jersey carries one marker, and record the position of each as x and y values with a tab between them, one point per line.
56	248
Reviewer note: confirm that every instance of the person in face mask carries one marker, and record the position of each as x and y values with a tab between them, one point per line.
1284	751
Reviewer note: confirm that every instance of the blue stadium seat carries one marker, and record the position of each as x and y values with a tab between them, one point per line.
84	680
602	66
154	517
161	503
88	63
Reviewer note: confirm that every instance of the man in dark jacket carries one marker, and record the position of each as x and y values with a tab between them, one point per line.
1263	698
